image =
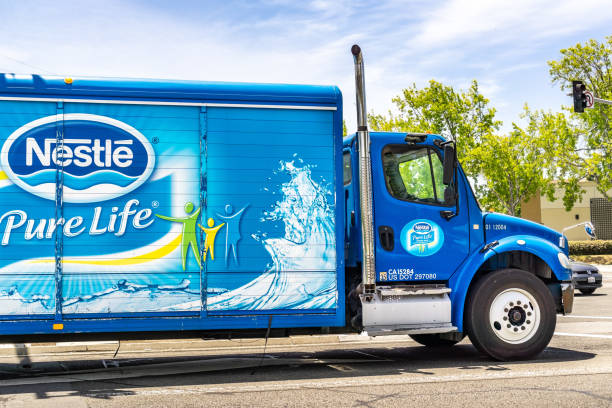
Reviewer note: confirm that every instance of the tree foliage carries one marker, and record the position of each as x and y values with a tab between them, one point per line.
537	158
561	163
504	170
509	165
417	177
460	116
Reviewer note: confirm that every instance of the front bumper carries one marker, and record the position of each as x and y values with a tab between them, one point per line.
567	297
581	281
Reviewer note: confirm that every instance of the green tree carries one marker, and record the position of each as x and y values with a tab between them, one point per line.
417	172
509	167
528	161
561	161
504	170
460	116
590	62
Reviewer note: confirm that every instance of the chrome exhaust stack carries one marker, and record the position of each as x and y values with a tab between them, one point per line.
365	178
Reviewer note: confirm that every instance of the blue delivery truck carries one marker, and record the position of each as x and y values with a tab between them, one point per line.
130	205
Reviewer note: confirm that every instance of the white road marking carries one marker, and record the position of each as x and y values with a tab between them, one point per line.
343	368
369	355
15	345
588	317
597	336
84	343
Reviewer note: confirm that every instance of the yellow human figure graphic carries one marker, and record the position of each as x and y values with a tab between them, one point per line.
211	234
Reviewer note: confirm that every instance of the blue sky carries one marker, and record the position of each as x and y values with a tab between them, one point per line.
502	44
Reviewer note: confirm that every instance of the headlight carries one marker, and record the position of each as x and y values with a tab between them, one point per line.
564	260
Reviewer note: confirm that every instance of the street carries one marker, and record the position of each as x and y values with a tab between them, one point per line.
325	370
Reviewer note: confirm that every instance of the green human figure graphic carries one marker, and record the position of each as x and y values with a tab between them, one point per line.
211	234
188	237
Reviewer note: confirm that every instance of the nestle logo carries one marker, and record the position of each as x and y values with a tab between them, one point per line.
101	158
80	152
422	227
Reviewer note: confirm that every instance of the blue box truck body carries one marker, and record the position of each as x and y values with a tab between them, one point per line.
132	205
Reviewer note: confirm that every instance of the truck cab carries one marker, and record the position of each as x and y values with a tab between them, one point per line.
444	267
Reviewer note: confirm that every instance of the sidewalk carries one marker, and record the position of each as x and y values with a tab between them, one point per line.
107	349
604	268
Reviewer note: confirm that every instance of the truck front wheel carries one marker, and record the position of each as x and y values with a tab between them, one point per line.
510	315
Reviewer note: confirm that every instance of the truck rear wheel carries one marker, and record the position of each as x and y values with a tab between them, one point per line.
433	340
510	315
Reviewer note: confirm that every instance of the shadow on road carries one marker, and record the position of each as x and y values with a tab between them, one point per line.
89	379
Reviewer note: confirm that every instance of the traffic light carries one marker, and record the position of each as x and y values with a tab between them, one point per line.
580	99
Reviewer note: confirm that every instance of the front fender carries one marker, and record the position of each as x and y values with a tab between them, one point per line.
461	280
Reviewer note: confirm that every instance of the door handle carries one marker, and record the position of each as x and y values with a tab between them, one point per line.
447	214
385	234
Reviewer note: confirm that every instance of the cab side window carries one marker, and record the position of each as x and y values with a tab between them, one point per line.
414	174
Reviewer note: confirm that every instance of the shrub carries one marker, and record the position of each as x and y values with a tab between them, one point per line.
595	247
593	259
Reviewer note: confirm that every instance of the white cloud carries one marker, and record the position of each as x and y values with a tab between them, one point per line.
522	21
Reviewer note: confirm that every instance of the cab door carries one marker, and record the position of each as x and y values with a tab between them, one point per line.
420	236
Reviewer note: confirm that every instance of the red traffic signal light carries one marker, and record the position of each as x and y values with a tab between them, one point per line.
580	99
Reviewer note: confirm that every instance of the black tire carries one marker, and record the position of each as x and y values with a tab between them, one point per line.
587	291
487	336
433	340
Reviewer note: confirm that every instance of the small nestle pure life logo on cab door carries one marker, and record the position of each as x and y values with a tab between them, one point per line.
422	237
101	158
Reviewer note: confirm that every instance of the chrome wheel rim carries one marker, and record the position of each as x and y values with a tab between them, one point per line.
514	316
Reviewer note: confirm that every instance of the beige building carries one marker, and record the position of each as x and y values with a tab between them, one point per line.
594	207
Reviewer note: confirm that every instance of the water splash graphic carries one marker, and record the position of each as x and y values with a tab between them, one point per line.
14	303
131	297
303	270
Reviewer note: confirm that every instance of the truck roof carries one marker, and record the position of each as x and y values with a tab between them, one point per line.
54	87
429	139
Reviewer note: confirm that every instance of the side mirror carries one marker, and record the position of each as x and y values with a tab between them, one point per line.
450	196
449	164
589	229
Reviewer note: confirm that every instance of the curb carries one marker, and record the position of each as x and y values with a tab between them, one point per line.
12	350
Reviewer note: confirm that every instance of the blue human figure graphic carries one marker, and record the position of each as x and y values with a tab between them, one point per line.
232	231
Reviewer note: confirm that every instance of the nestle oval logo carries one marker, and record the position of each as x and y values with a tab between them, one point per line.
102	158
422	227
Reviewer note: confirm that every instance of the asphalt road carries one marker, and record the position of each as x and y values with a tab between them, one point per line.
575	370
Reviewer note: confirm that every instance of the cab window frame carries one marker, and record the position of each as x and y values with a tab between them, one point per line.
406	148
